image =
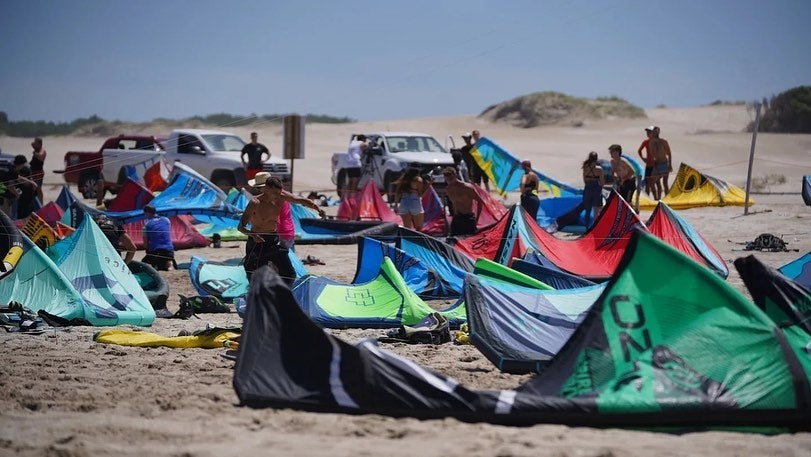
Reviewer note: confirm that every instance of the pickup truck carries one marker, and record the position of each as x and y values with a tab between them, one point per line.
389	154
213	154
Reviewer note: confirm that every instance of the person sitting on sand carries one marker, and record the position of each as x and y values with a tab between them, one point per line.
461	196
160	252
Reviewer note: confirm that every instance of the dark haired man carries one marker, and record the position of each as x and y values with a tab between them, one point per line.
255	152
461	196
624	177
262	213
160	252
21	178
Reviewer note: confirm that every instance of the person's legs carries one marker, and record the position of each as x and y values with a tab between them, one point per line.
280	259
407	221
418	219
665	180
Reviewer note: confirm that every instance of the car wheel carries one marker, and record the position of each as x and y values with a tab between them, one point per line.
87	185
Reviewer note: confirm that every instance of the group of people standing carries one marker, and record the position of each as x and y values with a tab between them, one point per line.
459	191
22	183
658	163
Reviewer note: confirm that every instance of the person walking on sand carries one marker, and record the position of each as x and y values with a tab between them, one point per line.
662	162
264	246
37	165
408	198
257	154
648	159
461	196
594	181
624	177
529	190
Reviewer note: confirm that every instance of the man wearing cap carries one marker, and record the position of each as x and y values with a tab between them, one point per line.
660	151
529	190
461	196
262	213
623	173
648	159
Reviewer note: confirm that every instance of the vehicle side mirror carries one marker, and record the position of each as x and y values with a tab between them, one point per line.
197	150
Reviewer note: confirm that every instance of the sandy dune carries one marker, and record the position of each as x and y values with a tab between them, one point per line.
68	396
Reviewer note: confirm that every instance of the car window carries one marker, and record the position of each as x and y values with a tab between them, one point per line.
414	144
219	142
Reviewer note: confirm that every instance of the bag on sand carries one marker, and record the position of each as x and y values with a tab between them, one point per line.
189	306
767	242
432	329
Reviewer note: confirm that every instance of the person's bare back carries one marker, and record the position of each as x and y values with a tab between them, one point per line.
660	150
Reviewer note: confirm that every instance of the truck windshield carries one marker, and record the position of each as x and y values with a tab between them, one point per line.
413	144
219	142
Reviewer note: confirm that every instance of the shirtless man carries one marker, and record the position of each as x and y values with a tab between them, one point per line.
461	196
648	159
529	190
623	173
262	213
662	165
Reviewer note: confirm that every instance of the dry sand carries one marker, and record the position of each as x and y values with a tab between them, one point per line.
64	395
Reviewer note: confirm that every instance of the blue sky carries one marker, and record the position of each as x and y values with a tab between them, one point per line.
376	60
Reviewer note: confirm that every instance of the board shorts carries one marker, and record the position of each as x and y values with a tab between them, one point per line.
158	257
410	204
353	172
660	169
627	189
271	251
648	172
250	173
463	224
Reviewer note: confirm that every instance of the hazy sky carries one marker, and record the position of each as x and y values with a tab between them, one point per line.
375	60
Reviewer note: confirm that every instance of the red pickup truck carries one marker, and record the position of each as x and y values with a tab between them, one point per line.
86	168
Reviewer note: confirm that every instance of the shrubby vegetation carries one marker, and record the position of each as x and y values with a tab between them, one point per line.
95	125
788	112
555	108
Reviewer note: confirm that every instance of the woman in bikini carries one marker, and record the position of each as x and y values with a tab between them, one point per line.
408	198
593	193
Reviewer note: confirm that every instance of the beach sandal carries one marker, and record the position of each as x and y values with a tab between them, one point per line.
310	260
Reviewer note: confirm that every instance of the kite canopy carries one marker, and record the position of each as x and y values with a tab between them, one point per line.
385	301
594	256
518	323
692	188
440	279
504	170
668	226
650	352
133	196
799	270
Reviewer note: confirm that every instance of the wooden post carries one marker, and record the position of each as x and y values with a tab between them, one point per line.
751	158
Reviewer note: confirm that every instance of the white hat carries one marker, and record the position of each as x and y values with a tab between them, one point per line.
467	135
260	179
650	128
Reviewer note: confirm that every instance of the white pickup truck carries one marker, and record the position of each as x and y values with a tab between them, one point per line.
213	154
389	154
